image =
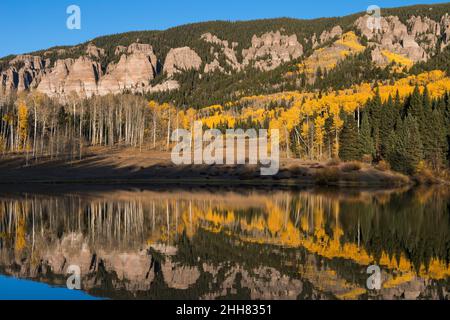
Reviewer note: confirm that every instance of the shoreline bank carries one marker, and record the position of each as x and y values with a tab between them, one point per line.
130	167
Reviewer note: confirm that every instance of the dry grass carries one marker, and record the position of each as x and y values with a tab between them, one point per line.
328	176
425	175
351	166
129	165
367	158
333	162
383	166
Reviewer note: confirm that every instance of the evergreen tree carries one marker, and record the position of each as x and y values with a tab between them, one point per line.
365	139
435	149
319	73
349	149
406	151
398	106
446	107
375	107
387	122
415	107
426	126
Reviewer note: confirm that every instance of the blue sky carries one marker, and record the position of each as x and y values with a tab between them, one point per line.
29	25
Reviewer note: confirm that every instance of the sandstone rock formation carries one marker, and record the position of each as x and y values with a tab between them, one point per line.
24	73
213	66
93	51
266	53
83	77
53	80
445	23
378	57
208	37
133	68
168	85
228	52
134	71
416	40
181	59
119	50
330	35
69	76
271	50
328	57
418	26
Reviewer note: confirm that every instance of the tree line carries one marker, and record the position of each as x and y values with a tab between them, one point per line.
36	126
408	135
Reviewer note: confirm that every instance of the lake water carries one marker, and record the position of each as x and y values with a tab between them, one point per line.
221	243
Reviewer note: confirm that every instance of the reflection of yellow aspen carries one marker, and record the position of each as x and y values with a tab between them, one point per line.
275	218
395	282
294	222
352	295
20	234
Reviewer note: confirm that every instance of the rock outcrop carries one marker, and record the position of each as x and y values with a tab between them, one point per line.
133	68
24	73
83	77
445	23
378	57
134	71
168	85
271	50
227	51
69	76
119	50
266	53
328	57
181	59
93	51
326	36
53	80
417	40
419	25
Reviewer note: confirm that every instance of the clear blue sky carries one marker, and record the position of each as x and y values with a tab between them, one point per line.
29	25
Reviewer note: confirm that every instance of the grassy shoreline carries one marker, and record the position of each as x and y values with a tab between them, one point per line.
126	166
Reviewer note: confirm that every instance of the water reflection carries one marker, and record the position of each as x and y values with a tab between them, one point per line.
252	244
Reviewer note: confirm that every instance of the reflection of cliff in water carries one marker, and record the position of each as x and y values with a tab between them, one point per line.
277	245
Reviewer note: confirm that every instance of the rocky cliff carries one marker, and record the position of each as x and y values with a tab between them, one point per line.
154	62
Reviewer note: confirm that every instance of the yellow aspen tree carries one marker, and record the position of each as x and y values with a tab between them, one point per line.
319	128
305	137
153	105
337	125
22	125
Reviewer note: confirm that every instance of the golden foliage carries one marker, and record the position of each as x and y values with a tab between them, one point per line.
23	125
397	58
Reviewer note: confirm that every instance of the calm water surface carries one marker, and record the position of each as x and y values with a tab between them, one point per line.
215	244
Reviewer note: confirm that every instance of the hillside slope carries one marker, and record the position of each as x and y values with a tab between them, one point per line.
233	59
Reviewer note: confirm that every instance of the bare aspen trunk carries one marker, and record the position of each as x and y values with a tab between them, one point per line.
168	132
35	132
